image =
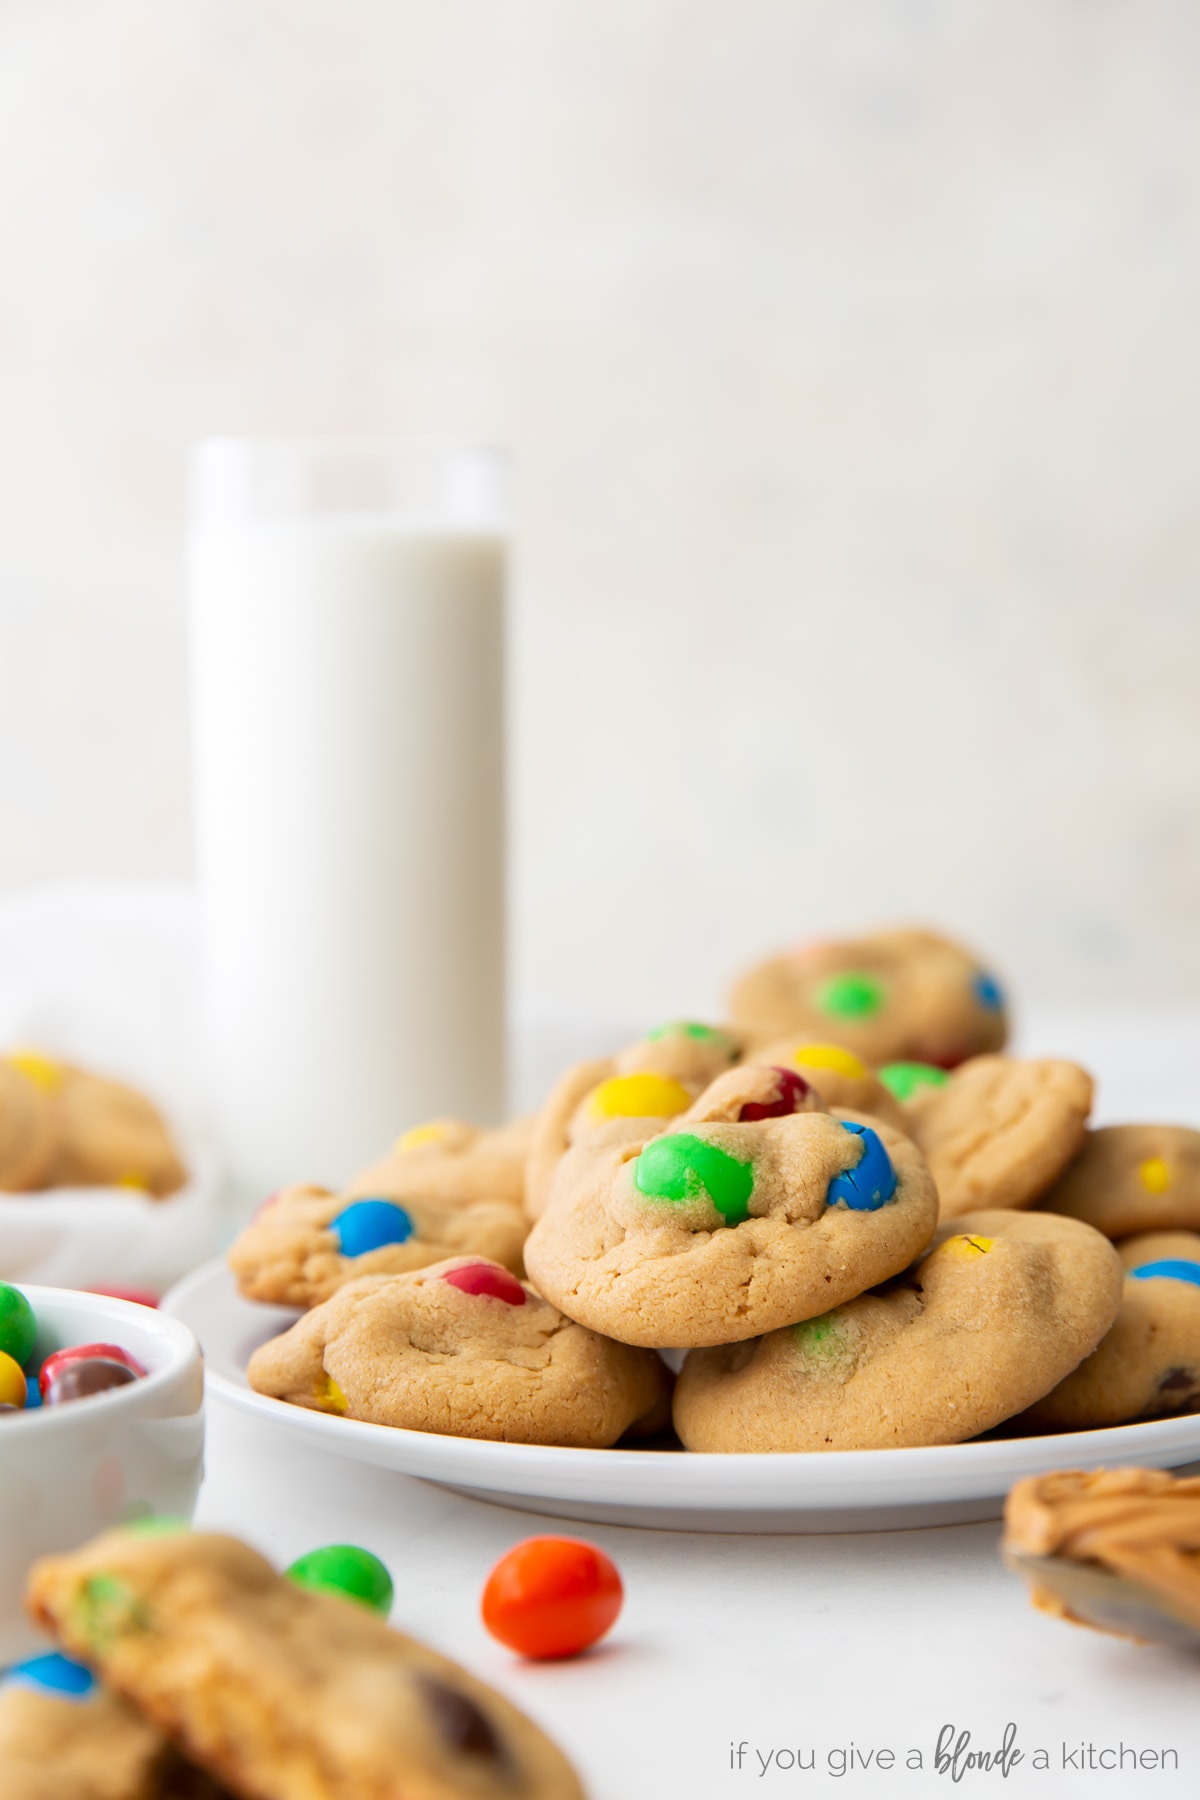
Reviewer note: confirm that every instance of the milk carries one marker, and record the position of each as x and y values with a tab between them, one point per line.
347	691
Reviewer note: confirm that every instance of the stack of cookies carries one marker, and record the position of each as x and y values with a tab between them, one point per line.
846	1217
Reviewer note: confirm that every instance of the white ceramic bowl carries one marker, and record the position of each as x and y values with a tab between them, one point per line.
70	1471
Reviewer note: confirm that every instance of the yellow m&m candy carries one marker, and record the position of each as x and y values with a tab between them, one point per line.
638	1097
330	1396
965	1245
43	1071
1156	1177
12	1382
829	1056
421	1134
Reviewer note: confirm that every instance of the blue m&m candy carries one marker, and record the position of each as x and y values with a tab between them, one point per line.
871	1183
988	991
370	1225
1172	1268
53	1674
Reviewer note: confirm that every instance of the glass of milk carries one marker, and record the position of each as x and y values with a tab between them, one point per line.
347	624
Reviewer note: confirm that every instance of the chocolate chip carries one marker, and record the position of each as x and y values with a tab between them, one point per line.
1178	1380
464	1726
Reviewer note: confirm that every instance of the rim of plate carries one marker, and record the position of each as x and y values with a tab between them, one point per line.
753	1481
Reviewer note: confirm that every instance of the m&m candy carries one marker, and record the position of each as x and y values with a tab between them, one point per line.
489	1280
54	1674
18	1327
904	1079
851	996
136	1296
345	1569
645	1096
82	1370
12	1382
691	1028
792	1093
871	1183
682	1167
552	1597
1169	1268
368	1225
988	992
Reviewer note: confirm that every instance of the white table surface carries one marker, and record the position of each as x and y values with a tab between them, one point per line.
808	1644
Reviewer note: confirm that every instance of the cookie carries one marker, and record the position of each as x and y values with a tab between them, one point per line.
842	1079
746	1214
1129	1179
654	1079
107	1134
451	1163
899	994
93	1747
1114	1549
462	1348
997	1312
1001	1130
279	1690
305	1243
27	1133
1148	1364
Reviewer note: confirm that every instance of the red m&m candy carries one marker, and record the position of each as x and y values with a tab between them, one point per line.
83	1369
552	1596
793	1092
488	1279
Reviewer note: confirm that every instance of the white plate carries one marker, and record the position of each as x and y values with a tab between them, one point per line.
855	1490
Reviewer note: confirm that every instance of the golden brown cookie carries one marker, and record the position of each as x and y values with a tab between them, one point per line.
305	1243
451	1163
1001	1307
898	994
106	1133
1118	1549
842	1079
1148	1364
1001	1130
282	1691
27	1133
1130	1179
465	1349
741	1217
652	1080
95	1748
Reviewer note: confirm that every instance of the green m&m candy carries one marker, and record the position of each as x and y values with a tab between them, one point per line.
691	1028
904	1079
345	1569
18	1327
682	1167
854	995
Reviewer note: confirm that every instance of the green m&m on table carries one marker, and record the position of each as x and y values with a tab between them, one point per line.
347	1570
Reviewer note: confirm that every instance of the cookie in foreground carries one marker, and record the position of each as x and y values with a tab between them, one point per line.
1116	1549
276	1690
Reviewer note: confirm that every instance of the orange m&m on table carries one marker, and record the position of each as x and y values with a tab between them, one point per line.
552	1596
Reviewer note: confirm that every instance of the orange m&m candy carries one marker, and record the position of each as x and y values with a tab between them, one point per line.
552	1596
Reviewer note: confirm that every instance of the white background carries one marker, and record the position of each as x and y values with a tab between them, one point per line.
849	354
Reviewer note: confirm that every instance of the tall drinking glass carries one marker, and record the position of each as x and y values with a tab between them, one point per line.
347	604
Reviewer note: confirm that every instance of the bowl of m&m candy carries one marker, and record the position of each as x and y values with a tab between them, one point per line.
100	1423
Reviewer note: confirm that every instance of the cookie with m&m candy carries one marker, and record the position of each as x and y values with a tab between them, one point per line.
308	1242
841	1077
616	1098
63	1736
450	1163
756	1208
1129	1179
1148	1364
1000	1130
896	995
1001	1307
464	1348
